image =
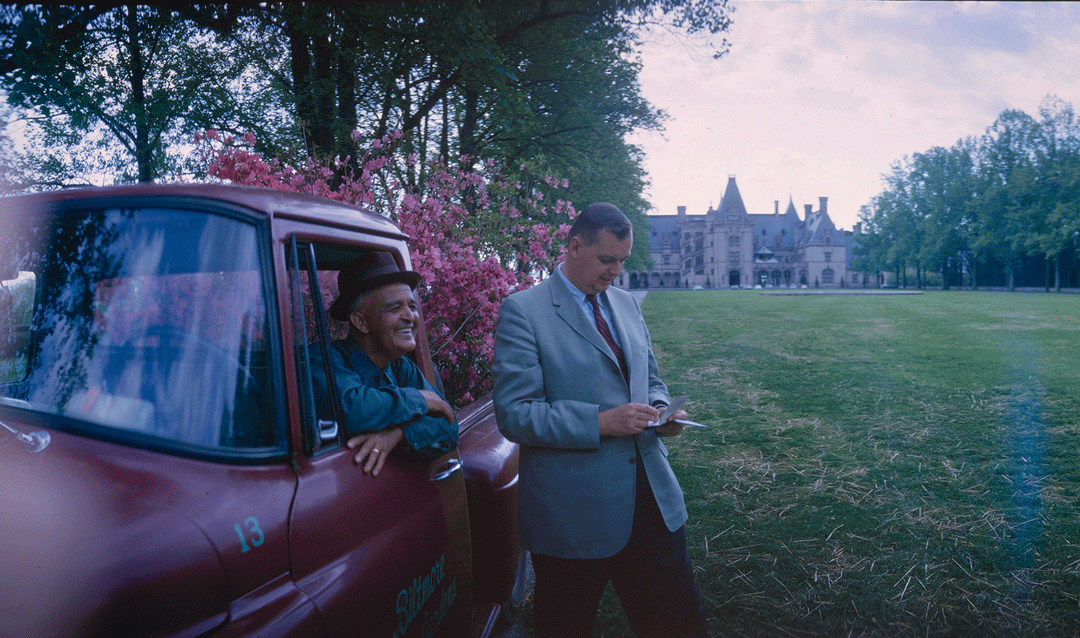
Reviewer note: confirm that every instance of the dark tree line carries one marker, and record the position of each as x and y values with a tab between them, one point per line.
119	90
999	210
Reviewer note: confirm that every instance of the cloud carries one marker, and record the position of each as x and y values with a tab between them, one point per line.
819	98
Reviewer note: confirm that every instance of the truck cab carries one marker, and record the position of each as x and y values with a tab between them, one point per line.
166	472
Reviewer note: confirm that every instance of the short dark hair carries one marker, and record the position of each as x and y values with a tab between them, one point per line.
597	217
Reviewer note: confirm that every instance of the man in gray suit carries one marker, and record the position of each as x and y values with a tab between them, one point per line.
576	385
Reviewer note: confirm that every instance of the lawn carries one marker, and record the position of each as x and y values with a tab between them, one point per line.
877	465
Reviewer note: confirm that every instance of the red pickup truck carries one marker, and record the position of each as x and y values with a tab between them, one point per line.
163	470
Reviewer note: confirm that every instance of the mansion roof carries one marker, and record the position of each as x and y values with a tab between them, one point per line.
816	228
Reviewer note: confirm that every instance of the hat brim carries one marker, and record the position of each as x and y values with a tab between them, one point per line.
339	310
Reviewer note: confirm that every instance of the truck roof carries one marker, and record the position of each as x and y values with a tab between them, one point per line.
269	202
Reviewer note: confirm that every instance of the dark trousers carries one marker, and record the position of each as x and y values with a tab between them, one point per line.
652	576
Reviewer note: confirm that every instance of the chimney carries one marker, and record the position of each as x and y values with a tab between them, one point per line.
682	212
809	210
823	204
776	207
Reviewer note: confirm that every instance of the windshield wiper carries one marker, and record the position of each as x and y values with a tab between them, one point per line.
36	441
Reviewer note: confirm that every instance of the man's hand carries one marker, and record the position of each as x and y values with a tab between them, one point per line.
628	419
374	447
670	427
437	406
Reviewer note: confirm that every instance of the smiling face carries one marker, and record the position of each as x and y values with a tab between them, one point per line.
385	323
592	267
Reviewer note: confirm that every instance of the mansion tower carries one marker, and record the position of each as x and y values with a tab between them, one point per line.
729	247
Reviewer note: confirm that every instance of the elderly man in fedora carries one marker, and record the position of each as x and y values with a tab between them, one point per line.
385	400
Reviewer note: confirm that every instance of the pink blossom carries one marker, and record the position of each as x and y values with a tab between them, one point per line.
468	239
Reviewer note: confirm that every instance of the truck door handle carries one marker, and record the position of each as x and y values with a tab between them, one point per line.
446	470
328	430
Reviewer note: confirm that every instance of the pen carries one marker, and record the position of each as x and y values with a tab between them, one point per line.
692	423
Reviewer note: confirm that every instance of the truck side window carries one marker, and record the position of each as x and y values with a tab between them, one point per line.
313	271
16	304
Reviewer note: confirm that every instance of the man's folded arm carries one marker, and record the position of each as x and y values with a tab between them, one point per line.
364	408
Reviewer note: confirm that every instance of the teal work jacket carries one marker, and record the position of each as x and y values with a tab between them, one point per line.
374	399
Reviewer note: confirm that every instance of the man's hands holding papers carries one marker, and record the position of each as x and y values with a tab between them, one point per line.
673	419
634	418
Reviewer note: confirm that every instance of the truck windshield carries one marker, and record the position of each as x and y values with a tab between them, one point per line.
149	323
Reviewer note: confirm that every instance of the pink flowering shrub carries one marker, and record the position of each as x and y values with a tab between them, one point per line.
476	235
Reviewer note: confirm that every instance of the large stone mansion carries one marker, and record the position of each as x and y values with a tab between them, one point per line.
729	247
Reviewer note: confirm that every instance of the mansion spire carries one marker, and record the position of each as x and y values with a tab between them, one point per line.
732	207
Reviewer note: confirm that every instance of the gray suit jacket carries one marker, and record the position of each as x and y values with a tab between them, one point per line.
554	374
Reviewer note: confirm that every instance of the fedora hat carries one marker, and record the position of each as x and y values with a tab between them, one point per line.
367	272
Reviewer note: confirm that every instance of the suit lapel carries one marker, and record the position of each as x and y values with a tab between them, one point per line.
572	314
618	317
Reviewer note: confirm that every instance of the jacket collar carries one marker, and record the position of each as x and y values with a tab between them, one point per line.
569	311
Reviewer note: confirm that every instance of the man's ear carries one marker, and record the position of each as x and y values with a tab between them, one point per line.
574	245
358	321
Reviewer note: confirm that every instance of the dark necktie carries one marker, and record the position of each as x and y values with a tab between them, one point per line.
605	332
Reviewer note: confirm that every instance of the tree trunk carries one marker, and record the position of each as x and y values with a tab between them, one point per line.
323	95
467	134
300	61
143	153
346	99
444	139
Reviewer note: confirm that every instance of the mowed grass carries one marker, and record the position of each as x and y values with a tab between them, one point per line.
877	465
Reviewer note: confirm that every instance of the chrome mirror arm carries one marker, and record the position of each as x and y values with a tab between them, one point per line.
35	441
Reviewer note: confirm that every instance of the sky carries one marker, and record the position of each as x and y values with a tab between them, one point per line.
819	99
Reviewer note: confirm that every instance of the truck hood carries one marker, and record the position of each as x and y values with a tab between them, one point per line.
84	552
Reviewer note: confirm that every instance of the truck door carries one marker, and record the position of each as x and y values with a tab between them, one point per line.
386	555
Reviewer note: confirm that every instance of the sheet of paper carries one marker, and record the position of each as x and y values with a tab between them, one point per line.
669	412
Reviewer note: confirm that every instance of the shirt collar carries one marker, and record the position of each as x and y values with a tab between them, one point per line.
575	292
360	361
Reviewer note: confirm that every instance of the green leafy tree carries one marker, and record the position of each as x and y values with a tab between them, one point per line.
551	86
1006	167
1055	214
1009	200
900	221
112	90
942	190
